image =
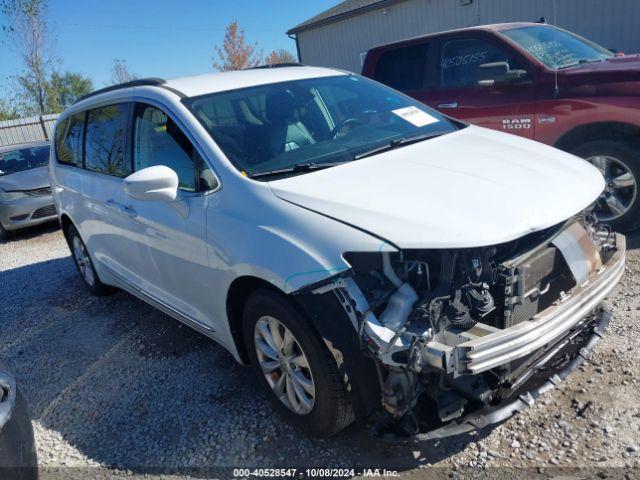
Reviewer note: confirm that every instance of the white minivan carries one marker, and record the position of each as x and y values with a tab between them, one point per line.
370	258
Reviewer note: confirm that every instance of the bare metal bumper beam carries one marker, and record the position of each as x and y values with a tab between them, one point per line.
487	352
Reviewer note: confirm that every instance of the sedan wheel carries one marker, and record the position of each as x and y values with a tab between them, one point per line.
620	190
284	365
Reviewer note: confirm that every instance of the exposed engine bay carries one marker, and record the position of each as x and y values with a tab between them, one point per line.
455	330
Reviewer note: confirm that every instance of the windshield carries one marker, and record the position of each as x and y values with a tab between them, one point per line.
23	159
312	122
557	48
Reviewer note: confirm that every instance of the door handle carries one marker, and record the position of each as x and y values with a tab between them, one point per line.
126	209
448	105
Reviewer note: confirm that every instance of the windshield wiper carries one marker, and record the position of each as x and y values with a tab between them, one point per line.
297	168
582	61
395	143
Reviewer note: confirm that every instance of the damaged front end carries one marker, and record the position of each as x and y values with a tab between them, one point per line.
464	333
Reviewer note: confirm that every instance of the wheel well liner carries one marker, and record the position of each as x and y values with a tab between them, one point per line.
238	293
328	318
596	131
65	223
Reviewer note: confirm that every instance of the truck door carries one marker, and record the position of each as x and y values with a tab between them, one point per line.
484	83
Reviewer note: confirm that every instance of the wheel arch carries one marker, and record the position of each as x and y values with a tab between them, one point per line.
597	131
237	294
65	223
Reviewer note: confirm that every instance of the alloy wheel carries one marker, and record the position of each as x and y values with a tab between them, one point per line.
284	365
82	260
620	191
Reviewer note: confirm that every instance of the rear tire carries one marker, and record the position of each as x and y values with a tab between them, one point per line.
84	264
3	234
325	411
619	162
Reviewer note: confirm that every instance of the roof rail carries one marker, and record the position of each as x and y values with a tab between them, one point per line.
140	82
278	65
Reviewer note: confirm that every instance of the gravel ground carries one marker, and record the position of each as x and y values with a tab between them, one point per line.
115	385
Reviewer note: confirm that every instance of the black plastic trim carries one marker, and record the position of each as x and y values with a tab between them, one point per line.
141	82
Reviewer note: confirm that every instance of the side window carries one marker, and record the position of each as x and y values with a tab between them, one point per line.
157	140
403	68
106	140
69	140
460	60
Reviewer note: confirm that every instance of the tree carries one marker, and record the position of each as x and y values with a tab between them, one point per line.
235	53
7	111
120	72
29	32
280	56
64	89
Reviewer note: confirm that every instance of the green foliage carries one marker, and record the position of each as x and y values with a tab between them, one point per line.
7	111
64	89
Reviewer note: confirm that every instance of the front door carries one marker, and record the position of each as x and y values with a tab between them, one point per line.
171	237
460	93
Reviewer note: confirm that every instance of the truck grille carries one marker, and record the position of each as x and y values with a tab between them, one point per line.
42	212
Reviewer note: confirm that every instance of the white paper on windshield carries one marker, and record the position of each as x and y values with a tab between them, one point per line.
415	116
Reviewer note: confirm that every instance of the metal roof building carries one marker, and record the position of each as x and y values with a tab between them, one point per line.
338	36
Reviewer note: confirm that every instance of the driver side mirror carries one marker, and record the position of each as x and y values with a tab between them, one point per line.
499	73
153	183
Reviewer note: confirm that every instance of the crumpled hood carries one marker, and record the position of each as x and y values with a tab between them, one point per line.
26	180
475	187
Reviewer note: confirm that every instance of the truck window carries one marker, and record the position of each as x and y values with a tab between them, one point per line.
403	68
106	139
461	58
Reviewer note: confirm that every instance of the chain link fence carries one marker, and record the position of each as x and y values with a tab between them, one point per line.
24	130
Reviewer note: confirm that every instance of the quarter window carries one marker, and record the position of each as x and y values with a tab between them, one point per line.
460	61
106	140
159	141
69	140
403	68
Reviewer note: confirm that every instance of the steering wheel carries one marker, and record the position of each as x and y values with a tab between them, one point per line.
344	123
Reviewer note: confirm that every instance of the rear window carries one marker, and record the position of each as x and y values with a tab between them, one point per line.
69	140
106	140
403	68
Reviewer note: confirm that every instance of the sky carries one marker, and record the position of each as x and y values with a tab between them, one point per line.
158	38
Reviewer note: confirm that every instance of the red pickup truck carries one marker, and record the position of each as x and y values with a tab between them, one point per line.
537	81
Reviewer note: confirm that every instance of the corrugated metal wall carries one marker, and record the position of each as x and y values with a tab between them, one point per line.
23	130
611	23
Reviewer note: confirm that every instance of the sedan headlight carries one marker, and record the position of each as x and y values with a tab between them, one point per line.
10	196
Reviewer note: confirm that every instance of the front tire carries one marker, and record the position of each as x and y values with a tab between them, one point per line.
619	163
293	366
84	264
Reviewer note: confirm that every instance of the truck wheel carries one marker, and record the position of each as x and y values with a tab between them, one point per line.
293	366
85	266
619	163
